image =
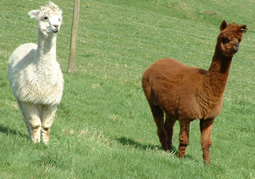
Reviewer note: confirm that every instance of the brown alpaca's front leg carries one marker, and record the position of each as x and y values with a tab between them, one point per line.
169	124
183	137
206	126
158	116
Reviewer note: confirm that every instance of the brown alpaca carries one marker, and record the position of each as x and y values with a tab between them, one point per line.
187	93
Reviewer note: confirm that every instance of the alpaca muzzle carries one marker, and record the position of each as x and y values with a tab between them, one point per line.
236	47
55	28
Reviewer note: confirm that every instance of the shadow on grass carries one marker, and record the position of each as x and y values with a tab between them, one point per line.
7	131
133	143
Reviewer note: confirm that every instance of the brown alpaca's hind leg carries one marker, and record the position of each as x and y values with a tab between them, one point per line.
169	124
183	137
158	116
206	131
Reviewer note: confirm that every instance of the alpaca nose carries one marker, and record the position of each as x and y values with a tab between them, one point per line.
56	26
236	47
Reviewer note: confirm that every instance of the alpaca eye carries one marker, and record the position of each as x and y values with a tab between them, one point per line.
45	18
225	40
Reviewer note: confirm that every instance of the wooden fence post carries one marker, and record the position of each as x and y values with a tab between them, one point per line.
74	33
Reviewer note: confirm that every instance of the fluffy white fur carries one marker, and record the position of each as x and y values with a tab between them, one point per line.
35	75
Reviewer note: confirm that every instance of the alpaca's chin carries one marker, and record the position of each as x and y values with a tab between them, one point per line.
235	49
55	30
49	32
231	53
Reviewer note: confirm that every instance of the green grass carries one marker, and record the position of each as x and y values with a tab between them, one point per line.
103	127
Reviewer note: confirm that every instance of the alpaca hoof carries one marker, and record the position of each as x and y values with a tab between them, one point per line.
46	142
35	141
165	148
207	162
36	134
180	156
46	136
182	151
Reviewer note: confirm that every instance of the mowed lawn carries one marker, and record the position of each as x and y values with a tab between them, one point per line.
104	127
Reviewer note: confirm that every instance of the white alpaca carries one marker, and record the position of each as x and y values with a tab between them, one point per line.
35	75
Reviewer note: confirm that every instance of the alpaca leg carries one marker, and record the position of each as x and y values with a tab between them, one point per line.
158	116
31	116
169	124
183	137
206	131
47	117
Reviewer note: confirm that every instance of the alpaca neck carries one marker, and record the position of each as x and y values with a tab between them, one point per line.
46	46
217	77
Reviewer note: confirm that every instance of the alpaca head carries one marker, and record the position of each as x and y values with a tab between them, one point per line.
230	38
49	18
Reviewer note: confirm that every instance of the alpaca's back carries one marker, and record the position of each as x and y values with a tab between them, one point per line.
172	75
23	52
28	83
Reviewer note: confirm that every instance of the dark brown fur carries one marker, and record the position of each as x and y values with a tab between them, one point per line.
187	93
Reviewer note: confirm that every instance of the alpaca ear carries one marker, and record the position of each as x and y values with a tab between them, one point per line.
34	14
223	25
244	28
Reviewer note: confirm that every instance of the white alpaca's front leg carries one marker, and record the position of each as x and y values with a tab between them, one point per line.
31	116
47	117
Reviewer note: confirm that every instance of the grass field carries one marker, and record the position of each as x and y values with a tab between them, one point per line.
103	127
